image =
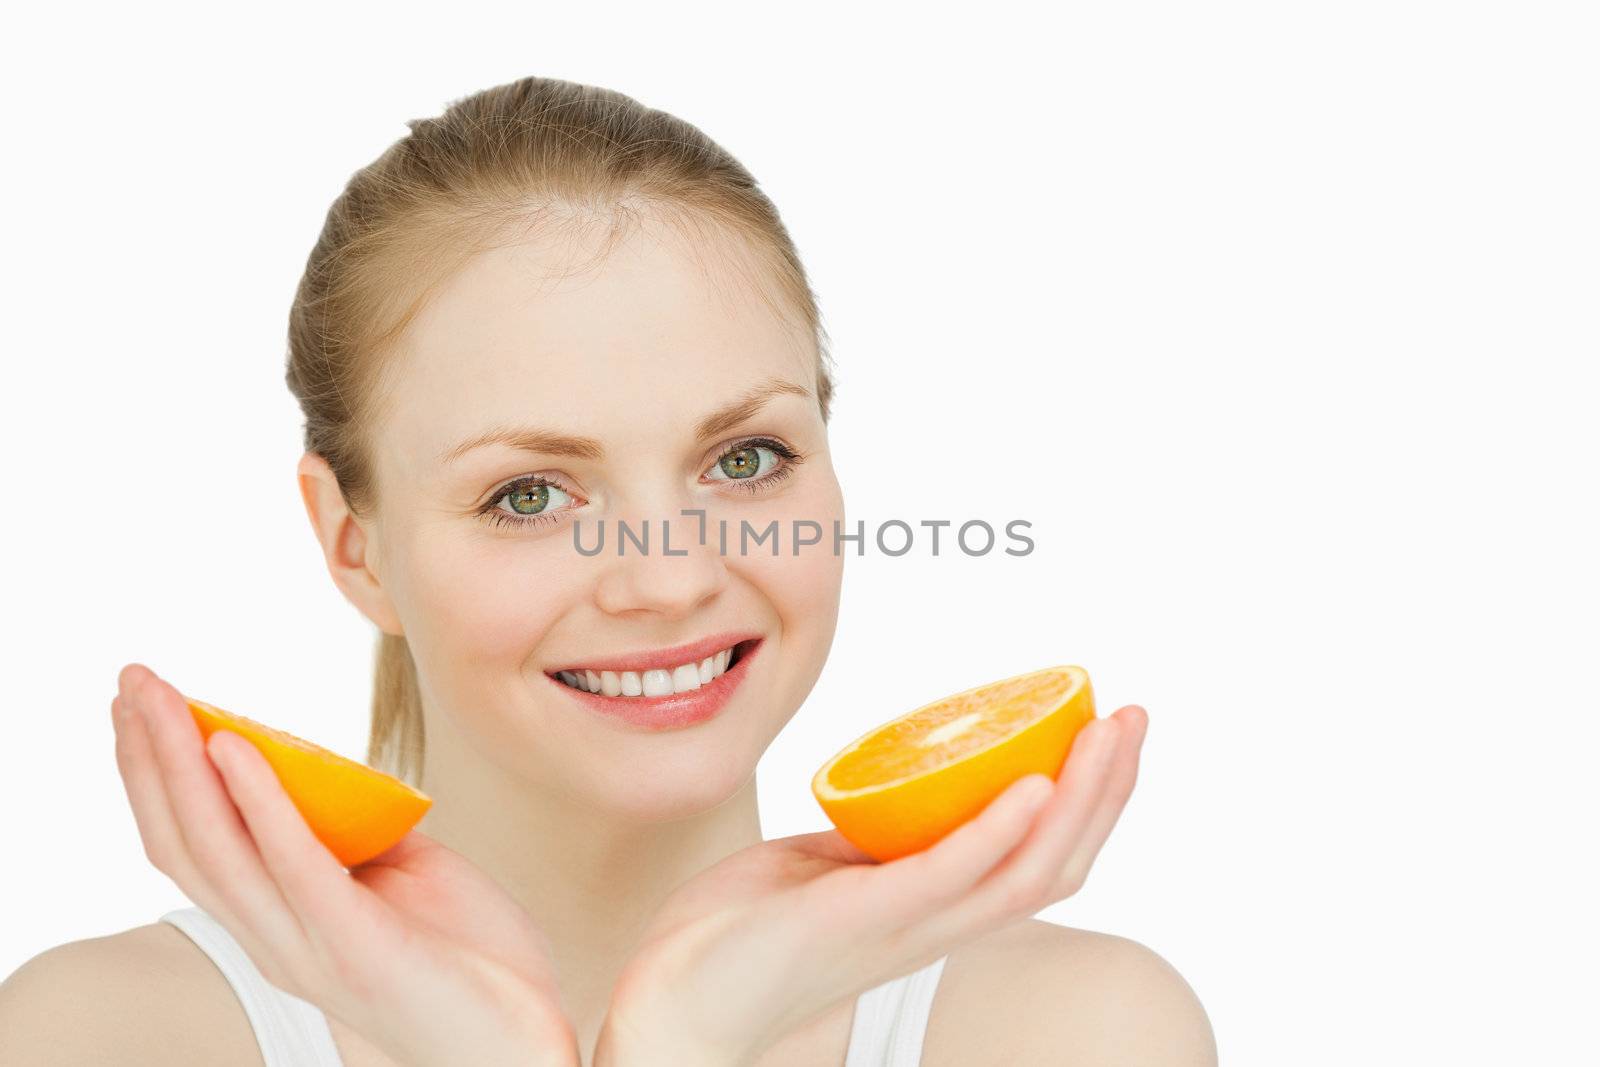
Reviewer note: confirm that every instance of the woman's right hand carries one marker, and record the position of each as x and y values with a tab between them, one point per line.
417	950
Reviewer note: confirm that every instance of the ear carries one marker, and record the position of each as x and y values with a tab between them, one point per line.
350	553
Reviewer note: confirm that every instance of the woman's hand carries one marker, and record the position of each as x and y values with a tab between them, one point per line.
771	936
417	949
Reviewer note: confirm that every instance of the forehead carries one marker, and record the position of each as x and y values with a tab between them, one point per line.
626	344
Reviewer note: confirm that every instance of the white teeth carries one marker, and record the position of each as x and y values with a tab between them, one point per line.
683	678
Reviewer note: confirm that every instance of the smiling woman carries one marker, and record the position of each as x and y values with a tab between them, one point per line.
552	302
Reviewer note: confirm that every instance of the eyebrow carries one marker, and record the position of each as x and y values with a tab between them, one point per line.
537	439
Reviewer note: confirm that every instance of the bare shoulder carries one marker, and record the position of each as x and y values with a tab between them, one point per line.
147	995
1038	992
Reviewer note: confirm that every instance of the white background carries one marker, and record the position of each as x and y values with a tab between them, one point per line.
1277	321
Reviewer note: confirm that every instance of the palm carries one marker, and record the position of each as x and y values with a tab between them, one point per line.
433	889
764	939
782	865
808	874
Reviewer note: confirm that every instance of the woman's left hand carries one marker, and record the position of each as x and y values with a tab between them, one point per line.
774	934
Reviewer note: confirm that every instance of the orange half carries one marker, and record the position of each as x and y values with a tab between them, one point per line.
356	811
904	785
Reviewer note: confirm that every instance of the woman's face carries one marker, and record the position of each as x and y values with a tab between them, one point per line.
682	379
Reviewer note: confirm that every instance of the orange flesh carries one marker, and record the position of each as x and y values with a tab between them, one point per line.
920	742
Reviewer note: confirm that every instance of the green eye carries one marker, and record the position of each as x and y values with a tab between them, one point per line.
755	464
745	462
528	501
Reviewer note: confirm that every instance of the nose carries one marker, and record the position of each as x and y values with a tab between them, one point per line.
649	578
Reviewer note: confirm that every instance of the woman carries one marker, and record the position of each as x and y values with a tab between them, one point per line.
552	306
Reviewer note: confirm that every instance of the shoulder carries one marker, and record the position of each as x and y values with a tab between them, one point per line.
147	995
1037	992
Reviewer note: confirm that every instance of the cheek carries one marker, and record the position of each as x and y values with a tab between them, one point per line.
803	589
484	601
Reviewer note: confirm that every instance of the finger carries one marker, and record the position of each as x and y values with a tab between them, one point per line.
1020	885
1120	781
315	885
163	843
152	812
215	836
947	870
126	677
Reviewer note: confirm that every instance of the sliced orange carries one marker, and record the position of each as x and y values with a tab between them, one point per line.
904	785
355	810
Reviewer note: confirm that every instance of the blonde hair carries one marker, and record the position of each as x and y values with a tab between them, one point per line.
531	151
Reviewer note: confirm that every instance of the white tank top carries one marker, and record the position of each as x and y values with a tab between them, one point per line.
886	1030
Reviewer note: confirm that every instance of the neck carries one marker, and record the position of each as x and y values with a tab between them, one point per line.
590	879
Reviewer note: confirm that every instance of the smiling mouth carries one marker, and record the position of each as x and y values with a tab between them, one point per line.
658	682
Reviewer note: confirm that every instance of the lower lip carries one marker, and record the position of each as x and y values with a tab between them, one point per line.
674	710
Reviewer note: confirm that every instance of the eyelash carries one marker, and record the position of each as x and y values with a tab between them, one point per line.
744	485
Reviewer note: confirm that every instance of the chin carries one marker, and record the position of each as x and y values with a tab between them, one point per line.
667	794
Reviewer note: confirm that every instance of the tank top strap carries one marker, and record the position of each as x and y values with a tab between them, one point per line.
891	1019
290	1031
